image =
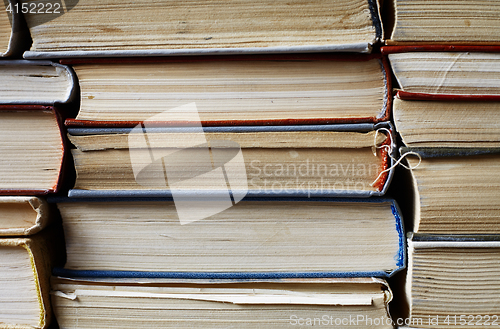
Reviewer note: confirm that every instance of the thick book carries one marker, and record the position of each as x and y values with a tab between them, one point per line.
14	34
417	22
234	90
105	303
256	238
453	282
456	190
31	148
321	160
446	72
131	28
448	96
36	83
25	269
23	215
447	123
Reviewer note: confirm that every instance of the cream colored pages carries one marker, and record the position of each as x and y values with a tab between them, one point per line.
126	26
469	22
448	124
24	287
448	73
35	82
32	150
262	236
454	285
218	304
458	195
20	215
234	90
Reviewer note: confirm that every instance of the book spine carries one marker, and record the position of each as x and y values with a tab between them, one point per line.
387	71
377	22
226	123
411	96
62	272
436	47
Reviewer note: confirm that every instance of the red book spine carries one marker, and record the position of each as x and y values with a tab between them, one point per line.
422	48
405	95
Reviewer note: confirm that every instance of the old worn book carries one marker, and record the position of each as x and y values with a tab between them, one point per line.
447	98
25	267
441	123
35	82
255	238
332	160
23	215
234	90
32	150
108	303
459	71
119	28
445	22
457	191
453	282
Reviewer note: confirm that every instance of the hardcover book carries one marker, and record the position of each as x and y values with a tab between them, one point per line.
453	281
35	83
23	215
32	150
106	303
440	123
328	160
234	90
447	72
254	239
127	28
25	269
457	190
444	22
448	97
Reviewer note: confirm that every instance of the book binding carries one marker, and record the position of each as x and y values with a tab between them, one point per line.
383	116
400	257
382	183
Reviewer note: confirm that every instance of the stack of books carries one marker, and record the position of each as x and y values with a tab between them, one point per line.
30	245
238	186
31	166
231	163
446	112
